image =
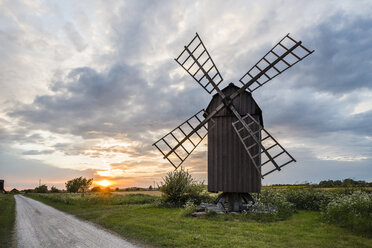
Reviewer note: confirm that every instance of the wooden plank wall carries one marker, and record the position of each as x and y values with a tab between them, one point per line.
229	166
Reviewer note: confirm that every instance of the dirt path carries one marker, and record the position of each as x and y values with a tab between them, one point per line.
39	225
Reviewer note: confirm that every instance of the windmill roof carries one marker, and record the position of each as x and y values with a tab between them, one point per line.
240	103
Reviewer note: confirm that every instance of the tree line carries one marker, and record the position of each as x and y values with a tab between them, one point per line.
82	185
348	182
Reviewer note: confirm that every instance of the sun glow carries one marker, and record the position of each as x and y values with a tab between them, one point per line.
104	183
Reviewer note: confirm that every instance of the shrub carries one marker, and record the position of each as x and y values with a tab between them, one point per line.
189	208
178	187
309	199
274	200
54	190
352	211
41	189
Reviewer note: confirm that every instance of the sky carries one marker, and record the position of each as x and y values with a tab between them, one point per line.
88	86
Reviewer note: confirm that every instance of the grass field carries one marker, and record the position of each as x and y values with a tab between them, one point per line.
166	227
147	192
7	218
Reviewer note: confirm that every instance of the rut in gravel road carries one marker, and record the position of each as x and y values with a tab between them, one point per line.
39	225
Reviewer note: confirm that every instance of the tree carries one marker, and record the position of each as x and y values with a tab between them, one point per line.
41	189
54	190
79	184
150	187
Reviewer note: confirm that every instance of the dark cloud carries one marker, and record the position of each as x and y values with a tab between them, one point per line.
88	100
343	57
37	152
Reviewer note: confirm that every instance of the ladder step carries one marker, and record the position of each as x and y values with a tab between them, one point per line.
249	147
258	154
239	130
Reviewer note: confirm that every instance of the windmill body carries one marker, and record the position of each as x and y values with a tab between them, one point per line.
241	151
229	167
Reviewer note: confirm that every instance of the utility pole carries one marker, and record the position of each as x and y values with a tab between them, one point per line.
39	182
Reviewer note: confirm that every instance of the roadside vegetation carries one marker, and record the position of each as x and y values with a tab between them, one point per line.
7	219
304	216
139	217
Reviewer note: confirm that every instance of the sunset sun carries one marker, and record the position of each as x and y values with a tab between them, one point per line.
104	183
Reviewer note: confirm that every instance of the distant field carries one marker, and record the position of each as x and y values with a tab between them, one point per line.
155	192
320	188
136	218
7	218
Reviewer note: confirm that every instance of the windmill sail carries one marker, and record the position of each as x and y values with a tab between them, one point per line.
273	155
285	54
265	151
196	60
177	145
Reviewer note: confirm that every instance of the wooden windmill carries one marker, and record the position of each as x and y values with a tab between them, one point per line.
241	152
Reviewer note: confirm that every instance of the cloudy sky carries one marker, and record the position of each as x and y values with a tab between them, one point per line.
88	86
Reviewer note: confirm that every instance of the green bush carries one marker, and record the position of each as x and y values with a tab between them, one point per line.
189	208
352	211
41	189
309	199
178	187
54	190
270	200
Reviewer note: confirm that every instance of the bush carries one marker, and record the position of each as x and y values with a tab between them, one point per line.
189	208
41	189
270	199
178	187
309	199
352	211
54	190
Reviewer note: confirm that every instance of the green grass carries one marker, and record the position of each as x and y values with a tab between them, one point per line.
7	218
165	227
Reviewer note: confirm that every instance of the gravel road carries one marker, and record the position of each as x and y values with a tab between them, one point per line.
39	225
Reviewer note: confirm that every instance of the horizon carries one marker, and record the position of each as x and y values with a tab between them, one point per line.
88	87
104	184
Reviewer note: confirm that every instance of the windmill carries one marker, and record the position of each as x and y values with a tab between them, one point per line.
241	152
